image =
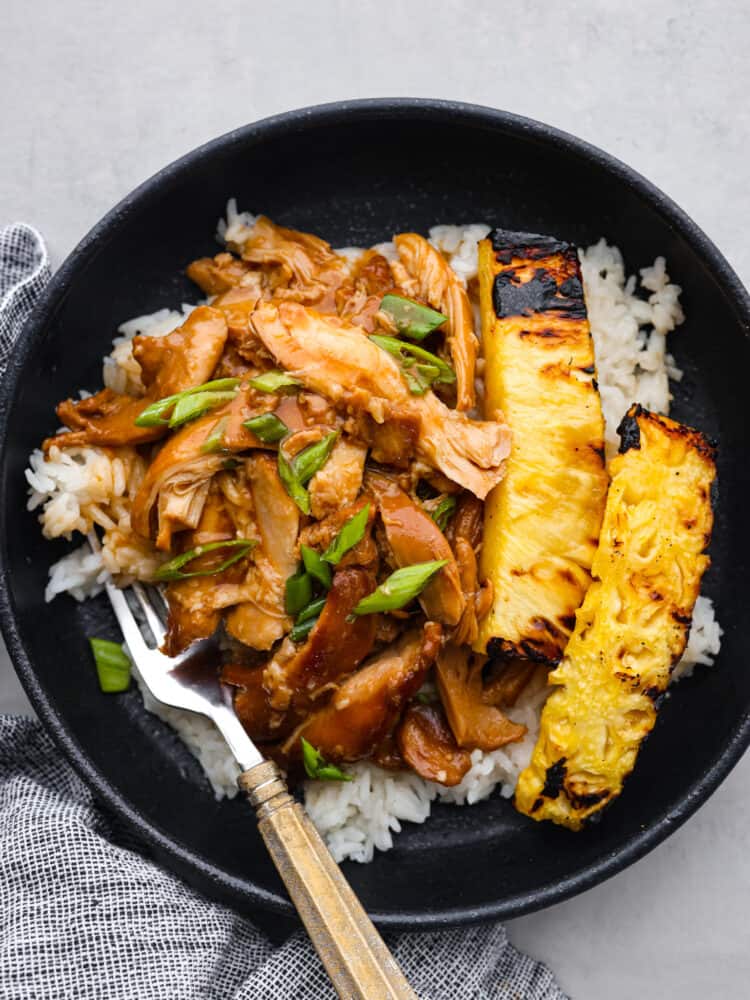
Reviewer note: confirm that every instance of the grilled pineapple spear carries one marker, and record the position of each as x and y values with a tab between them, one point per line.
633	625
542	521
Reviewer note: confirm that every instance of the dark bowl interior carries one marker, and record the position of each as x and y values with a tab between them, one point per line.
355	174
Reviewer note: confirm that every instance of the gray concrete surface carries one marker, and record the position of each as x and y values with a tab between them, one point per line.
94	97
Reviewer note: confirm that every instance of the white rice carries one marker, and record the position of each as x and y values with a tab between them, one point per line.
630	318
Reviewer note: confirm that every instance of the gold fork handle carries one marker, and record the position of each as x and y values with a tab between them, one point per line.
355	956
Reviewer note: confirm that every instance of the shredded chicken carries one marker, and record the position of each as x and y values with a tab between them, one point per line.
365	709
428	746
335	359
181	360
337	644
176	484
414	537
359	303
301	267
475	725
339	481
441	289
284	302
259	618
192	610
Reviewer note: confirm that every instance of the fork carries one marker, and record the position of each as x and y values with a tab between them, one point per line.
354	955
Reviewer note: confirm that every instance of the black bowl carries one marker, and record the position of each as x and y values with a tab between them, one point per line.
355	173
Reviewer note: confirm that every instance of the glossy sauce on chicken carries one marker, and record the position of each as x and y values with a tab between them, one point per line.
315	471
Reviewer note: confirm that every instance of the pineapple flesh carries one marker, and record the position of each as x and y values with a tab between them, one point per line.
633	625
542	522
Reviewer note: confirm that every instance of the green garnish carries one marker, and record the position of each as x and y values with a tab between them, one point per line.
311	459
172	570
299	632
411	318
273	381
400	588
155	415
215	440
112	665
190	407
420	368
315	566
316	766
297	592
312	610
296	474
443	512
351	533
267	427
291	482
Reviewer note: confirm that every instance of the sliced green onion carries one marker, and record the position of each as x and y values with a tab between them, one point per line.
411	318
443	512
156	413
420	368
196	404
316	766
400	588
112	665
351	533
312	610
311	459
298	633
273	381
315	566
297	592
297	473
291	482
172	570
267	427
215	440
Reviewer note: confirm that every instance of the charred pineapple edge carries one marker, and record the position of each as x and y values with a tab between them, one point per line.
629	429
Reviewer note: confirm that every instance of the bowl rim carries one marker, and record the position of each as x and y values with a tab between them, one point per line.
189	864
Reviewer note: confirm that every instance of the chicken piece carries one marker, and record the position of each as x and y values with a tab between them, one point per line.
633	625
339	481
541	524
464	533
387	755
475	725
247	403
394	442
367	706
184	358
414	537
428	746
303	267
335	359
320	534
507	679
440	287
219	274
335	647
359	303
176	483
259	618
237	304
192	611
251	704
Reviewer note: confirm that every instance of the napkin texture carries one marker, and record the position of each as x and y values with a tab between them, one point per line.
86	914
